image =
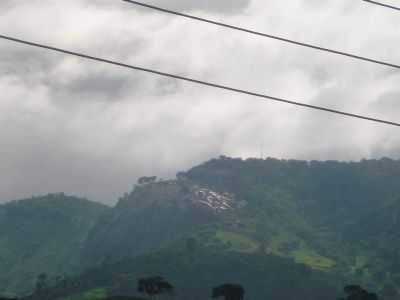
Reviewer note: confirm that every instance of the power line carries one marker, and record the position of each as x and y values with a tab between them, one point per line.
363	58
187	79
382	4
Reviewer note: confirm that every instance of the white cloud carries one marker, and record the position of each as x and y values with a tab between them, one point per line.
81	127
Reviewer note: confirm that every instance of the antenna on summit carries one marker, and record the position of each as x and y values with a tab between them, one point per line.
262	150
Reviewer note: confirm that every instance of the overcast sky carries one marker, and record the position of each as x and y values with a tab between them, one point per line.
89	129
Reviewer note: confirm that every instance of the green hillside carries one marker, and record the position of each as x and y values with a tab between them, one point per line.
313	225
150	217
42	234
195	271
334	216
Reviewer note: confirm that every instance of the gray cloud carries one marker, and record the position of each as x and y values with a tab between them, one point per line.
219	6
90	129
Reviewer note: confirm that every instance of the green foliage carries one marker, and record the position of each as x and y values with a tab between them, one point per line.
263	276
323	214
313	260
237	242
303	225
95	294
42	235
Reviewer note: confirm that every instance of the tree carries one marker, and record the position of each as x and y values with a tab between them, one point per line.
41	282
154	286
147	180
356	292
228	292
42	285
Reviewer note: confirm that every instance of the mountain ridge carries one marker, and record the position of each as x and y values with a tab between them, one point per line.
338	218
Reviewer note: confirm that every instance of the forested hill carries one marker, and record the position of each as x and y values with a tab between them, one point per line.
331	222
348	201
194	271
42	234
348	212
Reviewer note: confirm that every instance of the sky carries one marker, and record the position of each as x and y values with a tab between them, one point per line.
89	129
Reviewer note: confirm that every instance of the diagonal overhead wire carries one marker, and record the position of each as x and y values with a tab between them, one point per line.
382	4
200	82
282	39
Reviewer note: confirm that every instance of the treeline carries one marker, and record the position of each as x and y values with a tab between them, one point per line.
157	286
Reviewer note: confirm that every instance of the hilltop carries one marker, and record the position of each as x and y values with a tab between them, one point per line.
334	220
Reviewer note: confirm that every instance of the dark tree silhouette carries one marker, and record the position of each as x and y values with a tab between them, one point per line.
153	286
42	286
228	292
41	283
356	292
147	180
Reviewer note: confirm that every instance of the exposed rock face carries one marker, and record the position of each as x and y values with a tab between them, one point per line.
154	214
213	201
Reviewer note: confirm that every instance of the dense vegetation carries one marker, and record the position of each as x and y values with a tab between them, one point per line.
142	221
194	271
340	216
42	234
311	226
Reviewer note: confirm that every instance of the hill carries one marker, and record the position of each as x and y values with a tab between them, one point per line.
153	215
341	214
195	271
335	220
42	234
335	217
